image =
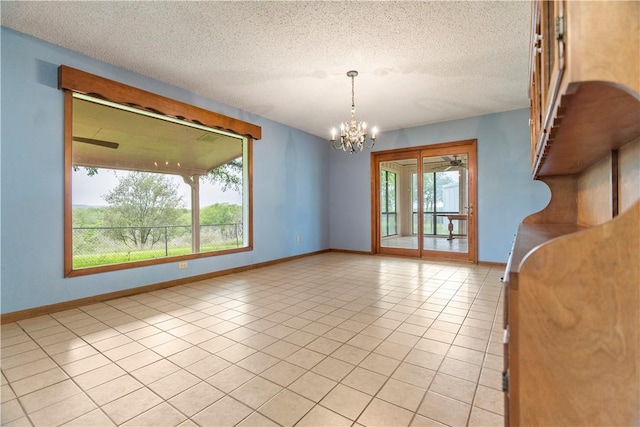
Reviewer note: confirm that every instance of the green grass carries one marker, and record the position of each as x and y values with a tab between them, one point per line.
94	260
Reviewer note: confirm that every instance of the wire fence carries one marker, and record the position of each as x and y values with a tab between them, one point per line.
94	246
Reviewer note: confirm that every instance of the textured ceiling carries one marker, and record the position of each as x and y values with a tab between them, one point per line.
419	62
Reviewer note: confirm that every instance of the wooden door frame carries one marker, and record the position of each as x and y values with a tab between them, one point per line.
469	147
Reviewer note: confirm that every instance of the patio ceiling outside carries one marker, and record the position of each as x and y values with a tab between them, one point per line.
146	143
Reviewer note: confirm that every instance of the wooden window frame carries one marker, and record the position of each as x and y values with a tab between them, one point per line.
71	80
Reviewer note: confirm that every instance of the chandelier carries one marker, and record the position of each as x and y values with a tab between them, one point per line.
353	134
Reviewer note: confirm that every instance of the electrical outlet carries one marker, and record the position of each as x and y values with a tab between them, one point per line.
297	238
182	265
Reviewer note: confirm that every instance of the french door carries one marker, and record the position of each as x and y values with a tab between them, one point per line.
424	201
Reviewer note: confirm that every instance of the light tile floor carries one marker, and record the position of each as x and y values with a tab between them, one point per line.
328	340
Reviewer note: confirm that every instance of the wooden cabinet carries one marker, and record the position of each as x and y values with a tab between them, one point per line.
572	283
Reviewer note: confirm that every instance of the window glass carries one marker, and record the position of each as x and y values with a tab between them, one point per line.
147	187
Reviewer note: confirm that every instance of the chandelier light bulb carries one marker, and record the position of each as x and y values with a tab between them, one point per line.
353	134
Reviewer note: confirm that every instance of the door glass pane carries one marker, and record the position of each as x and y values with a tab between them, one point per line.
397	222
445	202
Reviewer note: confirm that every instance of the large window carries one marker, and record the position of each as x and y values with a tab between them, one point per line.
388	221
146	187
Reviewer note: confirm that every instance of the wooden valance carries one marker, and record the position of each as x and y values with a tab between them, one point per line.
79	81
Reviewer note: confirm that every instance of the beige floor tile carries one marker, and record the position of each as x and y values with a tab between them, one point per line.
432	346
173	384
63	411
321	416
467	355
64	346
491	378
402	338
424	359
490	399
198	337
340	335
260	340
457	368
439	335
445	410
236	352
281	349
392	350
453	387
225	412
155	371
279	331
144	332
377	331
95	418
494	362
257	420
114	389
381	413
402	394
29	369
6	393
230	378
99	376
470	342
364	380
172	347
350	317
156	339
87	364
346	401
364	342
19	349
207	367
138	360
258	362
196	398
300	338
305	358
283	373
482	418
22	358
10	411
381	364
189	356
161	415
42	398
112	342
286	408
123	351
312	386
333	368
256	392
324	346
38	381
131	405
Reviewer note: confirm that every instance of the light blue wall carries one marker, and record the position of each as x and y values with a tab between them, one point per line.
506	193
291	195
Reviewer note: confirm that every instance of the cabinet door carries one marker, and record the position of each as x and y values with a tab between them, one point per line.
552	54
535	93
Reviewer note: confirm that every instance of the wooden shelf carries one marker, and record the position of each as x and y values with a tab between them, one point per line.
592	119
